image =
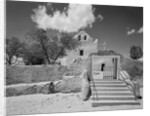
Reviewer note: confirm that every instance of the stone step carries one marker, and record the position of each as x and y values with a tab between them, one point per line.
107	82
110	89
112	98
108	85
103	80
114	102
107	96
111	93
105	87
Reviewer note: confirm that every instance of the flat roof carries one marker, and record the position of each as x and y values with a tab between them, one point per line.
109	56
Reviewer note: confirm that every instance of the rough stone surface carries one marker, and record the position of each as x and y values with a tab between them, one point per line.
85	86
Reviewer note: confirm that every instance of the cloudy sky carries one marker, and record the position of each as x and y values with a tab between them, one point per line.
119	27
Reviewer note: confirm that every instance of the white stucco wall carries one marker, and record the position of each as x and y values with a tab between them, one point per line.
88	46
97	62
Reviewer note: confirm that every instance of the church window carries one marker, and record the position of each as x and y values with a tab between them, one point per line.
79	37
85	37
81	52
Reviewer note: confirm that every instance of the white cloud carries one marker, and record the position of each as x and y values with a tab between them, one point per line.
140	30
71	19
100	17
130	32
133	31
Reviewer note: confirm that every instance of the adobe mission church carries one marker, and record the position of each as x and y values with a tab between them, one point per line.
88	46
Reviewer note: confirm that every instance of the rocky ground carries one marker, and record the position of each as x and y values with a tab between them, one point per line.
54	103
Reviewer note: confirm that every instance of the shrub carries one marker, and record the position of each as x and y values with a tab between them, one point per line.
134	68
136	52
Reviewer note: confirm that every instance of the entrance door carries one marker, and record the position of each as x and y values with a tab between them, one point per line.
105	67
110	69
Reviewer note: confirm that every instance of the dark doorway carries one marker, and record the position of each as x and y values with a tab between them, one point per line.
85	37
102	67
81	52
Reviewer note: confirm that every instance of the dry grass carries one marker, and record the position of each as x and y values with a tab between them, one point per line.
31	74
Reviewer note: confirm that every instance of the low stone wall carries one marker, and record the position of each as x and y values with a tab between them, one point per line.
65	86
134	86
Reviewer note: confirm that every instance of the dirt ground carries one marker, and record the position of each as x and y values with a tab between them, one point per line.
54	103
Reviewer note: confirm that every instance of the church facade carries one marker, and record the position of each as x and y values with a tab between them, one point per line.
88	45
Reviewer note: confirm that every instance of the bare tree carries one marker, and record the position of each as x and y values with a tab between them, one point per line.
14	47
54	47
40	36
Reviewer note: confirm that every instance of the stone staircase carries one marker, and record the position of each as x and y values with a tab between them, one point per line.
111	92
